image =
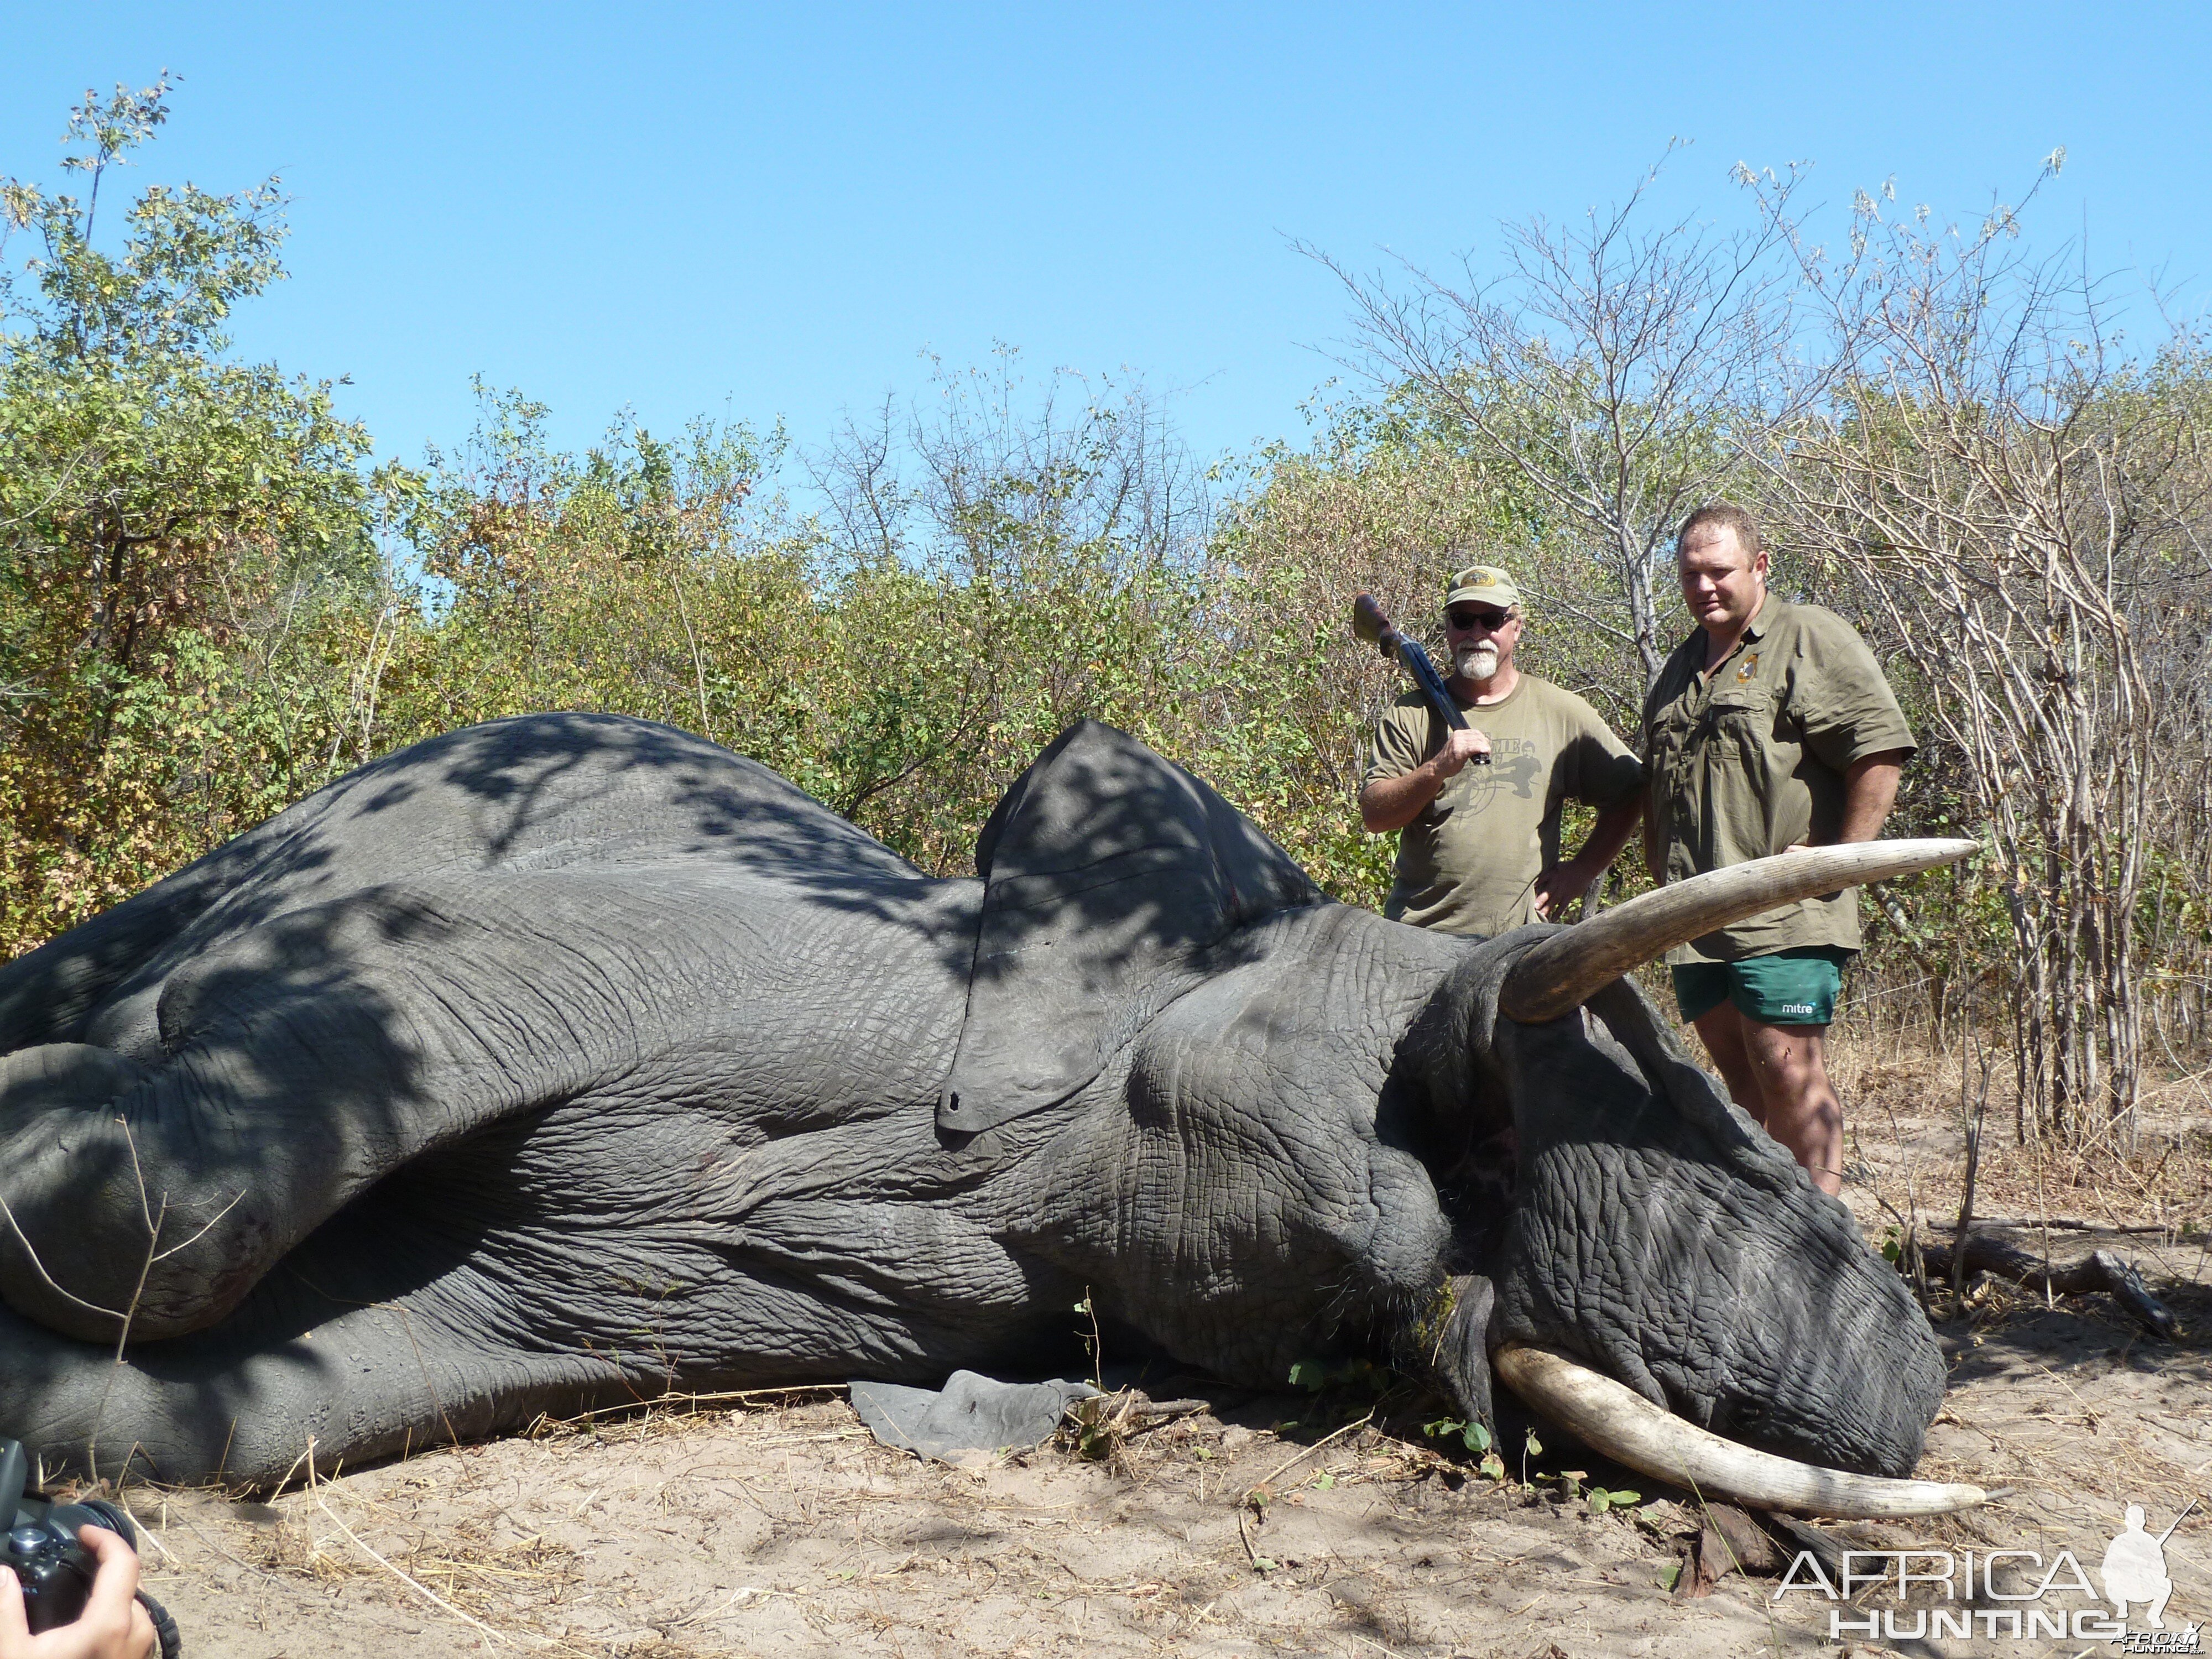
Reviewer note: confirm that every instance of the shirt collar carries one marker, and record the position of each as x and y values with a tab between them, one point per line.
1769	612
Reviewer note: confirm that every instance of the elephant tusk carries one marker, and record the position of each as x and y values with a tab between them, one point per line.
1613	1419
1566	968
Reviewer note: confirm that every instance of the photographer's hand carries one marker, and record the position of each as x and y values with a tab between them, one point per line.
113	1625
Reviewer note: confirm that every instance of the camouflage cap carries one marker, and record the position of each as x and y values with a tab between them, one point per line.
1483	584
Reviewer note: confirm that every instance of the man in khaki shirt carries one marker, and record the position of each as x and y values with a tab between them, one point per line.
1770	728
1480	851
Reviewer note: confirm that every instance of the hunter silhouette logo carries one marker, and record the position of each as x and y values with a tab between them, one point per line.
2014	1594
2134	1569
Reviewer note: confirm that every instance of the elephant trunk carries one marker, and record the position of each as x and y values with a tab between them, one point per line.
1614	1420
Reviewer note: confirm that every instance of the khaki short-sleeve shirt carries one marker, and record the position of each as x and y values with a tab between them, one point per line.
1469	862
1750	760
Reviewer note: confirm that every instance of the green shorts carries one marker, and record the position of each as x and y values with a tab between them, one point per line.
1788	987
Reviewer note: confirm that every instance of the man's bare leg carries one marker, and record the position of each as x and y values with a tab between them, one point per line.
1779	1075
1722	1028
1803	1111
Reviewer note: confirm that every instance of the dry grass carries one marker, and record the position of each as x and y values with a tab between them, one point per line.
1906	1111
683	1532
2066	1398
468	1565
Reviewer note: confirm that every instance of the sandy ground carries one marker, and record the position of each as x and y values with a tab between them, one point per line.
790	1532
780	1529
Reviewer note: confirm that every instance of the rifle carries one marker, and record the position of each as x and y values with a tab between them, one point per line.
1369	623
2177	1520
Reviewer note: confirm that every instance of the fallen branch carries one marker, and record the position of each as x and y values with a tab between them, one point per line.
2069	1223
1147	1413
1728	1540
2100	1270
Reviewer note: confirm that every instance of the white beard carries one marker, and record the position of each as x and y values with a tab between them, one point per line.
1476	662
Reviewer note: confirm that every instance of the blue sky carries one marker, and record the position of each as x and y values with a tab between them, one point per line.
773	212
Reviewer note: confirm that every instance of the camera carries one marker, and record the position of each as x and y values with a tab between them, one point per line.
41	1544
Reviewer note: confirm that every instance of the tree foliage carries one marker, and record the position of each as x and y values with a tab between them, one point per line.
211	602
2008	490
168	518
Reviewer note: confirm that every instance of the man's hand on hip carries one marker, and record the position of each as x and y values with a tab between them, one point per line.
1561	886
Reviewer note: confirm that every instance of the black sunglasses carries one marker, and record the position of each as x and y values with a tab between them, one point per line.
1466	621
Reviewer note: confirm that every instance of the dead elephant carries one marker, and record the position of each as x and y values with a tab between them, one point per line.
571	1058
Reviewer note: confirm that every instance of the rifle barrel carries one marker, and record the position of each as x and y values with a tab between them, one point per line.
2177	1520
1369	623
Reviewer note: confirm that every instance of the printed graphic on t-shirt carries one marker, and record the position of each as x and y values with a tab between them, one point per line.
1514	766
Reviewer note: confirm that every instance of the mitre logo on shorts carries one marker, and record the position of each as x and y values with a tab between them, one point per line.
2013	1594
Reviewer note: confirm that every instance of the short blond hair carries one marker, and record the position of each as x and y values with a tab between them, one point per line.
1724	516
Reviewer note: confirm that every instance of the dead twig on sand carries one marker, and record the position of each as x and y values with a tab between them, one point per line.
1259	1563
352	1537
687	1404
1308	1451
1972	1123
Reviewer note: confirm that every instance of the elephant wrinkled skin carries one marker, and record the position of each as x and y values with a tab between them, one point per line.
570	1058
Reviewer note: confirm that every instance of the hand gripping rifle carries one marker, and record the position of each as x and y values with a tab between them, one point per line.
1372	626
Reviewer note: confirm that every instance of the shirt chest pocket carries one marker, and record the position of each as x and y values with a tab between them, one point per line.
1671	734
1746	726
1737	725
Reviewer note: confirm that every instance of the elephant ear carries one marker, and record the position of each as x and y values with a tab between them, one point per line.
1106	870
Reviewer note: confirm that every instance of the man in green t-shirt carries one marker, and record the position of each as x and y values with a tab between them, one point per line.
1480	847
1770	728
